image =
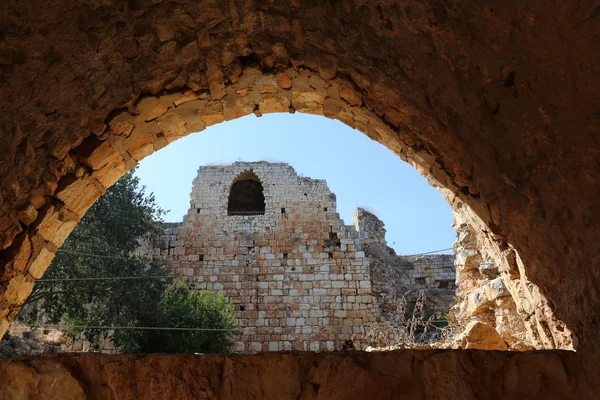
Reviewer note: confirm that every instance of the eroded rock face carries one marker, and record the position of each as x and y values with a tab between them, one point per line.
493	289
494	101
453	374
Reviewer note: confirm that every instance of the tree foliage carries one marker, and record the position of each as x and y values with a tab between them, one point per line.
181	308
104	245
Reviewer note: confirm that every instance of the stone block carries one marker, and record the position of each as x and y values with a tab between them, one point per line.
79	194
365	284
40	262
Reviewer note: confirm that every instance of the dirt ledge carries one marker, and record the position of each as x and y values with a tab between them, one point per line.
406	374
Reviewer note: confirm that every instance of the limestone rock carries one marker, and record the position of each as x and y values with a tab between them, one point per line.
284	81
27	214
157	111
487	293
187	97
494	291
481	336
79	194
351	96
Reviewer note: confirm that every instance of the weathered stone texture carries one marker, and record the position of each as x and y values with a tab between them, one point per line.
433	374
492	288
22	340
397	277
298	277
495	101
402	278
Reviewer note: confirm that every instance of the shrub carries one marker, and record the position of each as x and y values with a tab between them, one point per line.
181	308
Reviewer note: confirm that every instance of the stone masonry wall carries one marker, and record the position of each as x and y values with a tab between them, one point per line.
299	277
396	277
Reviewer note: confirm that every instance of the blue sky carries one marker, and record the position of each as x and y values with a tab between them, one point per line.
361	172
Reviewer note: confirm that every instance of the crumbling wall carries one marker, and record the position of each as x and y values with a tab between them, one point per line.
398	278
415	271
296	274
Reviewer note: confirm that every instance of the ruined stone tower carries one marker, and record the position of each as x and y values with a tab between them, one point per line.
273	243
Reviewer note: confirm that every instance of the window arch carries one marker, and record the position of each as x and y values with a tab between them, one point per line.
246	196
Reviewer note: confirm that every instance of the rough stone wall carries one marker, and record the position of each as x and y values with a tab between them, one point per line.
299	277
410	375
396	277
414	271
495	101
19	346
404	277
432	271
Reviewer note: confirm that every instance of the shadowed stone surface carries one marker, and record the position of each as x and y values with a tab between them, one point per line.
453	374
495	101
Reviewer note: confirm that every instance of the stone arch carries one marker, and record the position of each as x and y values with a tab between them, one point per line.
155	121
504	138
246	195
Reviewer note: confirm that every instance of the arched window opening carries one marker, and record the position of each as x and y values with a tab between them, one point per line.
246	196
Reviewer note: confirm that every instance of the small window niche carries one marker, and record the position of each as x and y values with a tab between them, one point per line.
246	196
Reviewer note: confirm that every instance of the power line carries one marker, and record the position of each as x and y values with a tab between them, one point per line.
95	255
168	328
159	328
116	278
215	262
428	252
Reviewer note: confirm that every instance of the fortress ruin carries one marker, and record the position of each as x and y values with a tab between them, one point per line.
495	103
272	242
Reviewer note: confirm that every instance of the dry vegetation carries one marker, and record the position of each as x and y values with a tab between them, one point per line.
413	326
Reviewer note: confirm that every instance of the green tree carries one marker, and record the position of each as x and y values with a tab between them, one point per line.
75	290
